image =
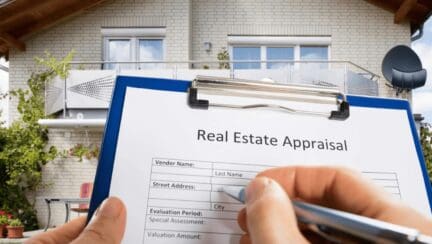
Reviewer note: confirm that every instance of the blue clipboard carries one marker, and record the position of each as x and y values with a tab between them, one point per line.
104	171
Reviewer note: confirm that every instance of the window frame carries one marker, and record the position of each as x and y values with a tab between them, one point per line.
134	35
328	50
263	42
276	46
231	52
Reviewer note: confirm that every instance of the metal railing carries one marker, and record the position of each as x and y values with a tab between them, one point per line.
191	64
85	81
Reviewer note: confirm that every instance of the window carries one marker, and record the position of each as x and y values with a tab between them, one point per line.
279	53
274	48
247	53
150	50
134	45
313	53
119	50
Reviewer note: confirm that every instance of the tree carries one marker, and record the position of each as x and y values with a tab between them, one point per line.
425	140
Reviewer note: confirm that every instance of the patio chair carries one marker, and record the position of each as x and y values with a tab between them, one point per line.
85	192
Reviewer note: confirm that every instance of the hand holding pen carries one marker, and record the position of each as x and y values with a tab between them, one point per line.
269	216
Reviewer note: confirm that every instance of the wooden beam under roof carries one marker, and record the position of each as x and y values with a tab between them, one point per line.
404	9
416	15
11	41
426	3
32	12
3	49
57	16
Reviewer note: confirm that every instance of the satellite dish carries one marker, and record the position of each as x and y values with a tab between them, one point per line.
403	69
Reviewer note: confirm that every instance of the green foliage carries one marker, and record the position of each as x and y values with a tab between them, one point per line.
425	140
22	152
81	151
25	139
15	223
3	220
23	145
223	55
58	67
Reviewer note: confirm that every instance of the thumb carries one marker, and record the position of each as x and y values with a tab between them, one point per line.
270	215
108	224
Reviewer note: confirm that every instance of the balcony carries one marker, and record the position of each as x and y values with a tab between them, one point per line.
83	98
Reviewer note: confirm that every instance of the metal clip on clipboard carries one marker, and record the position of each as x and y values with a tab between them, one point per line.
247	88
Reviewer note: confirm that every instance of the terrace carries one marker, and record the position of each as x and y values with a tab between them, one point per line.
83	98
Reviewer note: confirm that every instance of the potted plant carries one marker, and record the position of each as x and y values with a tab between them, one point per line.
15	229
3	223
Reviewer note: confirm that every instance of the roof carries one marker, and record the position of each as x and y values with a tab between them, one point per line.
21	18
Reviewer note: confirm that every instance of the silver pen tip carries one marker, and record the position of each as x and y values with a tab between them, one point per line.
235	192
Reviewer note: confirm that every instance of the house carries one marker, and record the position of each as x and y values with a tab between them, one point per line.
316	41
4	84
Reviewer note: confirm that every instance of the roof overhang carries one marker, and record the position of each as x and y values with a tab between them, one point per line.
21	18
415	12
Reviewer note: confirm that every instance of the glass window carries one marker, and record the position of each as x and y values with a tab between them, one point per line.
119	50
279	53
247	53
313	53
134	50
150	50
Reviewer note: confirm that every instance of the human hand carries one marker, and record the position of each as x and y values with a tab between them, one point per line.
107	226
269	216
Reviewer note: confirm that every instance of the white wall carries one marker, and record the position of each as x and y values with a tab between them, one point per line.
359	31
4	88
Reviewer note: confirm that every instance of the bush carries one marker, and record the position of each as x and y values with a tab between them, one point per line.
425	140
23	152
15	223
3	220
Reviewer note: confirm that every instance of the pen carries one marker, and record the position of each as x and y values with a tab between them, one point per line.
330	223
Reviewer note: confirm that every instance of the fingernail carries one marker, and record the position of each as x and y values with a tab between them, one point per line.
109	208
256	188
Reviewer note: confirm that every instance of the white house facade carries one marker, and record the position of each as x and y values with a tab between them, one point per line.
341	40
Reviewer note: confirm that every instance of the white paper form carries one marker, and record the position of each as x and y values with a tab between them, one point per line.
171	161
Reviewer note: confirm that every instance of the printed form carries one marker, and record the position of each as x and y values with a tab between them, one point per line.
172	161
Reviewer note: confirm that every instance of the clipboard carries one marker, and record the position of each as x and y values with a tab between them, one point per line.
188	97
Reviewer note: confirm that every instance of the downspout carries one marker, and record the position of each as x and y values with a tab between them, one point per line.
421	31
4	68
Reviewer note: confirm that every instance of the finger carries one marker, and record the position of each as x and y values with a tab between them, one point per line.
245	239
63	234
108	224
270	215
241	219
331	187
346	190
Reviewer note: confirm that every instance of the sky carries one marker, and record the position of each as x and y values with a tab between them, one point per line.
422	97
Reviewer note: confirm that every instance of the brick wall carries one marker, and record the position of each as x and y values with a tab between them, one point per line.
63	177
360	32
83	34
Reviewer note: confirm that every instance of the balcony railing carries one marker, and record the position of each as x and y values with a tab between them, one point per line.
89	84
